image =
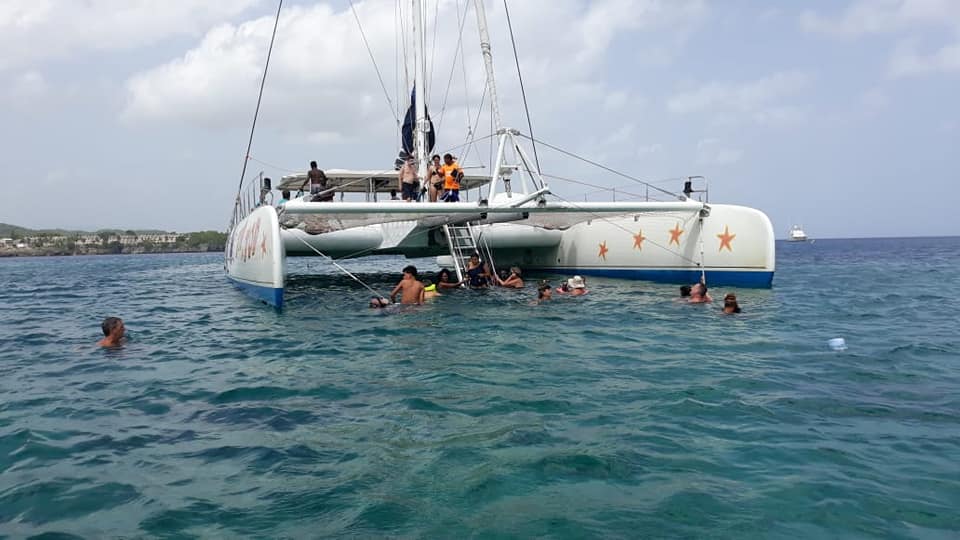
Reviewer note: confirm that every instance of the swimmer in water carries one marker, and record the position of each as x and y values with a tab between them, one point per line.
112	331
730	304
379	303
698	294
512	280
544	292
577	286
429	290
409	288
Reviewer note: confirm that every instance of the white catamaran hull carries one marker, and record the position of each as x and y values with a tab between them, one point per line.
734	245
254	258
737	248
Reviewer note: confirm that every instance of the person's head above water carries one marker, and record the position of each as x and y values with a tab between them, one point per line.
111	324
685	290
730	304
443	275
544	291
378	303
412	270
113	330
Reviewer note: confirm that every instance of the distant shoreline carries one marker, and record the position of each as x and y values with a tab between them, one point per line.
10	253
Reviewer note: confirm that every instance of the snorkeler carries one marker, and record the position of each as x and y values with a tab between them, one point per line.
112	331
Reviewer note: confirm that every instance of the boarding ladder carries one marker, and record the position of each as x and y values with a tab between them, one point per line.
462	241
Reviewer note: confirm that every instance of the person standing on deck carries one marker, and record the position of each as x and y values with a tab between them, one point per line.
435	177
318	183
452	174
407	178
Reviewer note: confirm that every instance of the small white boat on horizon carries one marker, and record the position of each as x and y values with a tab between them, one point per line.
797	234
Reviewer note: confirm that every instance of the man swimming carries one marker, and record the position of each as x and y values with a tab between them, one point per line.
698	294
112	331
411	289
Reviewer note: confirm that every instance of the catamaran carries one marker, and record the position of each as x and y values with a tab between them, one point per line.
510	215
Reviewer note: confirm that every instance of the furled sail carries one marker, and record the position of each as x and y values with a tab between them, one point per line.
410	126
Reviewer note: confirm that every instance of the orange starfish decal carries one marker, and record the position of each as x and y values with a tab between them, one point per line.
725	239
603	250
638	240
675	234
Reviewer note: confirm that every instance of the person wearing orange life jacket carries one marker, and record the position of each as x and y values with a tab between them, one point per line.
452	174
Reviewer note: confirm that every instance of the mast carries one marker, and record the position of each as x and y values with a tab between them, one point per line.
488	62
419	71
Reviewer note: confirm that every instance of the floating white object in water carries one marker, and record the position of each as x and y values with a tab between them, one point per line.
837	344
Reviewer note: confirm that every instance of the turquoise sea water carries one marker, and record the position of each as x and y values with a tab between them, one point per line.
622	414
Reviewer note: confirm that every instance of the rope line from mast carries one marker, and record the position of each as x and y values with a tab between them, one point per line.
453	67
604	167
366	44
342	269
523	93
263	82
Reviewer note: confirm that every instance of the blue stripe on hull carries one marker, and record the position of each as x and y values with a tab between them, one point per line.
270	295
728	278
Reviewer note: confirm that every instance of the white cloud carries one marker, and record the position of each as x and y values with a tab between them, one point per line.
646	150
874	99
906	61
756	101
712	151
883	16
27	86
321	72
33	31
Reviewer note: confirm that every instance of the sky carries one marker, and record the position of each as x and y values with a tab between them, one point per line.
134	114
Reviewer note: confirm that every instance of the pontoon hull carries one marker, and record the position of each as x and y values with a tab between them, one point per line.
254	258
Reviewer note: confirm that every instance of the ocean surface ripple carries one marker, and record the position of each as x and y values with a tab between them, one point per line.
622	414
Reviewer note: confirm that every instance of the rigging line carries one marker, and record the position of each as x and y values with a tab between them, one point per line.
604	167
453	67
383	85
523	93
703	272
263	82
588	184
472	130
463	65
342	269
428	91
624	229
274	166
452	149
